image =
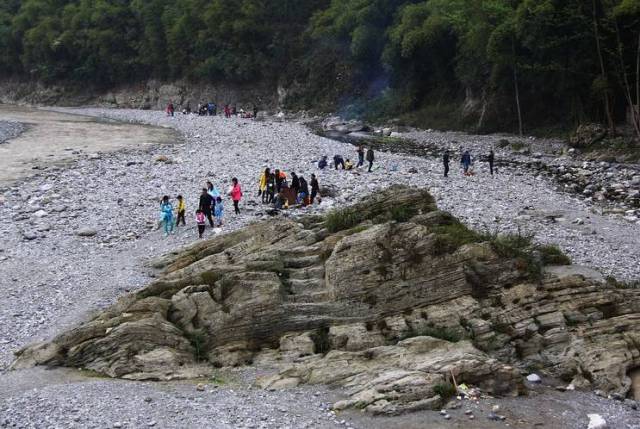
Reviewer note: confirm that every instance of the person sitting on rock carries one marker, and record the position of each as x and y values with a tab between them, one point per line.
338	161
348	165
278	201
322	164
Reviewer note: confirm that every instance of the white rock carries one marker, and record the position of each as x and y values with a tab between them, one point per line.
40	213
533	378
596	422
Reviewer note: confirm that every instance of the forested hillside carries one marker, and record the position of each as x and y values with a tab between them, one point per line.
479	64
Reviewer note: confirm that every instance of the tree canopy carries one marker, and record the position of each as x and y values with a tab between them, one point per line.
530	62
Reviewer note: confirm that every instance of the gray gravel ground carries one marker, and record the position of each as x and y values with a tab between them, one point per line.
51	277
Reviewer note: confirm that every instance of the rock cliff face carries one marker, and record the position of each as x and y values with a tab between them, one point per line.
390	298
152	94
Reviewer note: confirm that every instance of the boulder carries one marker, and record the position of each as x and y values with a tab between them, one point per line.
388	299
587	135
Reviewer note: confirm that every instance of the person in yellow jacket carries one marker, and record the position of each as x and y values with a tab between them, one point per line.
181	209
263	184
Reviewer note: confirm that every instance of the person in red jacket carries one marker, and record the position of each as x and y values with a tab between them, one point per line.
236	194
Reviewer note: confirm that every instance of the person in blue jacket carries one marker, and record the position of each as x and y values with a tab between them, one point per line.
166	214
466	161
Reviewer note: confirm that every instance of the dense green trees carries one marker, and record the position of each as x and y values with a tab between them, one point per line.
512	64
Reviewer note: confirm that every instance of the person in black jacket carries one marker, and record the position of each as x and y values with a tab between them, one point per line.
491	158
445	161
206	201
315	188
295	183
304	191
370	158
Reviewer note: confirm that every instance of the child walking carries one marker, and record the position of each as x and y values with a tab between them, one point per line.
236	195
219	211
166	214
201	221
181	211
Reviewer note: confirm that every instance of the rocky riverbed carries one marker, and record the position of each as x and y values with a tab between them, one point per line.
53	276
9	130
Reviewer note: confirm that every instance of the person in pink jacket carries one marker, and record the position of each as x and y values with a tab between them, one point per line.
236	194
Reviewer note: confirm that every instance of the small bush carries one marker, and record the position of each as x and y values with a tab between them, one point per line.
320	338
552	255
339	220
445	390
450	237
402	213
634	284
198	340
209	277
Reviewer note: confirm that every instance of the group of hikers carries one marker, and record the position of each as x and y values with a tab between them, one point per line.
210	206
282	191
211	109
340	162
467	162
274	187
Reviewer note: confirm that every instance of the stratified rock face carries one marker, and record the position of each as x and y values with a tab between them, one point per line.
390	299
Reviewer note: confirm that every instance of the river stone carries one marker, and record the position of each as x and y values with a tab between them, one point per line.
86	232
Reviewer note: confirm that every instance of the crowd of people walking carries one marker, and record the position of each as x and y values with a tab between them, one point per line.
467	162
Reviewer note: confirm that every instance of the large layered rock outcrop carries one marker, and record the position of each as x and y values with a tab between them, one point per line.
390	298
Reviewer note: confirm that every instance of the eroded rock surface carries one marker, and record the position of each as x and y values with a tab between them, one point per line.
390	298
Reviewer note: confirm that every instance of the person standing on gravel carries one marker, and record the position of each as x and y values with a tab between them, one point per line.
315	188
219	212
166	213
466	162
491	159
236	194
360	156
303	194
201	222
370	158
181	210
295	183
445	162
271	188
262	187
206	201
